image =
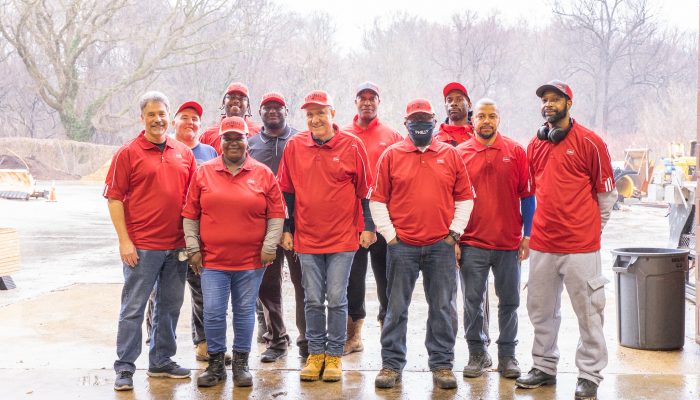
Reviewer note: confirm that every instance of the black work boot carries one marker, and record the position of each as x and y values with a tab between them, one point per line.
508	367
586	390
215	372
241	375
535	378
478	363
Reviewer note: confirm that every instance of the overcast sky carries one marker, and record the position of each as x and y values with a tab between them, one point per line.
351	17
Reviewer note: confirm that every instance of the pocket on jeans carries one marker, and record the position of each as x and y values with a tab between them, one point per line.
596	294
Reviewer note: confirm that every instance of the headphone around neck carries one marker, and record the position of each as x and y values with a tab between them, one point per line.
554	135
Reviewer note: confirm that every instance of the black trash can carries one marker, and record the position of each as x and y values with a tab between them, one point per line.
650	288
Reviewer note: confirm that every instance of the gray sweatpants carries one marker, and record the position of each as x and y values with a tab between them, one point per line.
581	274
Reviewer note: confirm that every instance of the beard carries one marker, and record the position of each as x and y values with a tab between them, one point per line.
556	117
275	125
486	136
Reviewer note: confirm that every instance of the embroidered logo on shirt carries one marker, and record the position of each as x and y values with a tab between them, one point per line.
382	144
570	152
336	159
251	181
506	159
440	161
178	155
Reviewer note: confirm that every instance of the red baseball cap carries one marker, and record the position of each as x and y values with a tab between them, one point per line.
319	97
454	86
419	106
557	86
371	86
233	124
237	87
273	96
193	105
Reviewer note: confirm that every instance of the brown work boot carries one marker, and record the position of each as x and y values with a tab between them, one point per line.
444	378
354	341
201	352
333	370
312	369
387	378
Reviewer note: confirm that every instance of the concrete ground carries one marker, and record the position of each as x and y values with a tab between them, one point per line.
58	327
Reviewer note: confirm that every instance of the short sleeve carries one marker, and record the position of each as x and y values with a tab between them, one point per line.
381	188
363	182
193	208
273	198
283	177
525	186
118	179
599	164
463	186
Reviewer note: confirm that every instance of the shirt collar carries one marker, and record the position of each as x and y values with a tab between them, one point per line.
145	144
247	164
409	147
284	136
330	144
373	123
497	144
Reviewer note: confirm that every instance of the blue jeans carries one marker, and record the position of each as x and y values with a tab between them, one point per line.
241	288
437	263
159	268
474	271
325	277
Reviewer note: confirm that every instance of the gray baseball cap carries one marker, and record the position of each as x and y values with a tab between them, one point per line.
367	86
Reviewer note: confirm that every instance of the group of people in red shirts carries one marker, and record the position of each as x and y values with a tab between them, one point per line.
224	209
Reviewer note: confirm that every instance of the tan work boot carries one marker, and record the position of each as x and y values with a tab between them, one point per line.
312	369
387	378
333	370
354	342
201	352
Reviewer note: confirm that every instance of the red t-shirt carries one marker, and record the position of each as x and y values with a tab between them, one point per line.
327	181
376	138
420	189
152	186
454	135
501	177
567	177
233	212
210	135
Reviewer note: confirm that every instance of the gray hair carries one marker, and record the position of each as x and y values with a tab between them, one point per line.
485	101
154	96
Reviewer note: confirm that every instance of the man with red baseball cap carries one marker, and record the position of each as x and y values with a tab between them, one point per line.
496	238
325	177
457	127
235	103
376	136
268	147
187	122
575	192
145	190
422	228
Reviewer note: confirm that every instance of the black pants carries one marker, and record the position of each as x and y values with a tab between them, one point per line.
195	283
358	272
270	296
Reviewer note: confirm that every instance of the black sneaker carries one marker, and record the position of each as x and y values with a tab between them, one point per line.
478	363
272	355
535	378
124	381
170	370
586	390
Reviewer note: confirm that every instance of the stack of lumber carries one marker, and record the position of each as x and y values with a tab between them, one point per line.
9	251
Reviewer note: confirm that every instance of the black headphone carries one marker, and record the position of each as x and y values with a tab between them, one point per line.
554	135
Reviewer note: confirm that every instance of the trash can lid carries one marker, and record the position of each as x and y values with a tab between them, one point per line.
649	252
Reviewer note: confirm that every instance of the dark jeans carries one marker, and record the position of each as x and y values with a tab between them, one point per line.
358	272
474	271
437	263
195	283
162	270
271	298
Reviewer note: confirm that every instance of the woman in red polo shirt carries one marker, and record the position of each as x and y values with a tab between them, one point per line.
233	220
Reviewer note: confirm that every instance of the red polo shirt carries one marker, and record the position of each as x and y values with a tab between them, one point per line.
376	138
568	176
420	189
327	182
210	135
152	185
501	177
233	212
453	134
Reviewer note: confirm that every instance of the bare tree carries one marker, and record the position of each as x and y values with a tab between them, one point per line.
60	43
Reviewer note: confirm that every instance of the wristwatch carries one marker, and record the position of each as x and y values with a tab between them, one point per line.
455	235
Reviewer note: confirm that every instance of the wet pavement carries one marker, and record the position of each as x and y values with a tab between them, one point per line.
58	328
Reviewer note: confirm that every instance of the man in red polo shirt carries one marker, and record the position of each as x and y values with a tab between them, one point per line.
324	175
236	103
457	127
575	193
496	238
376	136
422	228
145	187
